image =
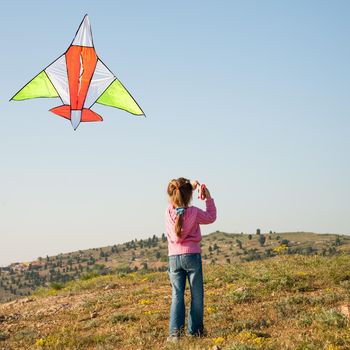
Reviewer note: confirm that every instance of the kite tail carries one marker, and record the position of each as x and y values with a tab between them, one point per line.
63	111
87	115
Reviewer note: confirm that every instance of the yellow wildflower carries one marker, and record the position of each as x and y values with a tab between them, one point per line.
145	302
211	309
47	341
249	336
281	248
218	340
246	335
152	312
259	340
40	342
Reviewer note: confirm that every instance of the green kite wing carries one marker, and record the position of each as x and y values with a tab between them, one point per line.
39	86
116	95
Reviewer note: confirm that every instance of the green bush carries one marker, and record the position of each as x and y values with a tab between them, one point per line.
118	318
89	275
331	318
57	285
241	296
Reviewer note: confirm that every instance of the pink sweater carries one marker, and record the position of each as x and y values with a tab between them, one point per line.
189	242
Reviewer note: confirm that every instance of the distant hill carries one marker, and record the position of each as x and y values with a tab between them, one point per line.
21	279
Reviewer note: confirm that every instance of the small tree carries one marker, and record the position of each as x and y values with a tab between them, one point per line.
262	240
258	231
338	241
250	236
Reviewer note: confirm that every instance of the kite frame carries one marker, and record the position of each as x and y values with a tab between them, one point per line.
98	58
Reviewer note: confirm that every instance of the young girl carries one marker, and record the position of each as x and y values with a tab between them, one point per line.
185	261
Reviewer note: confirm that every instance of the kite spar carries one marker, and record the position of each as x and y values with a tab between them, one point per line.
80	79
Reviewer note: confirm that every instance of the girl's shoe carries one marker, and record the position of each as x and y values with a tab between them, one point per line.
173	339
199	334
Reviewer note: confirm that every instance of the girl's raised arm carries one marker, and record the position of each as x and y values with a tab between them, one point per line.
209	215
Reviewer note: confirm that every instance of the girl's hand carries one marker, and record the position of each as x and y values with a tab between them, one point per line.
194	184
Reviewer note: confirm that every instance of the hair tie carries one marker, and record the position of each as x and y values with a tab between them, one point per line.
180	211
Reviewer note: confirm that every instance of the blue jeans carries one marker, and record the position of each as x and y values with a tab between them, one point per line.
181	267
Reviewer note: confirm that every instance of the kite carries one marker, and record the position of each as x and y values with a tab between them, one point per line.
80	79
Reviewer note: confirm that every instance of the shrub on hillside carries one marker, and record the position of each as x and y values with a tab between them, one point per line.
262	240
56	285
118	318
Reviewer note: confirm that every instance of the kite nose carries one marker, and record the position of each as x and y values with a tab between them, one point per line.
84	34
75	118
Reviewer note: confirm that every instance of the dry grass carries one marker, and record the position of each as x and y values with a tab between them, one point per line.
286	302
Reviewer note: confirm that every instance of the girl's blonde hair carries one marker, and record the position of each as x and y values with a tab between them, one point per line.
180	193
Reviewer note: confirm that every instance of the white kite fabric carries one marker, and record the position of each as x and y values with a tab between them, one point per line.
57	73
84	34
80	79
101	79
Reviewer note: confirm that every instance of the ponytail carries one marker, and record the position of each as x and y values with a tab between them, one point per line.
180	193
178	225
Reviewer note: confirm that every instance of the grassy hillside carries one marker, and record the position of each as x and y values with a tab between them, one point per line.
285	302
21	279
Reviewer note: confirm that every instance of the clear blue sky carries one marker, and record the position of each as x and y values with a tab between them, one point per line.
250	97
